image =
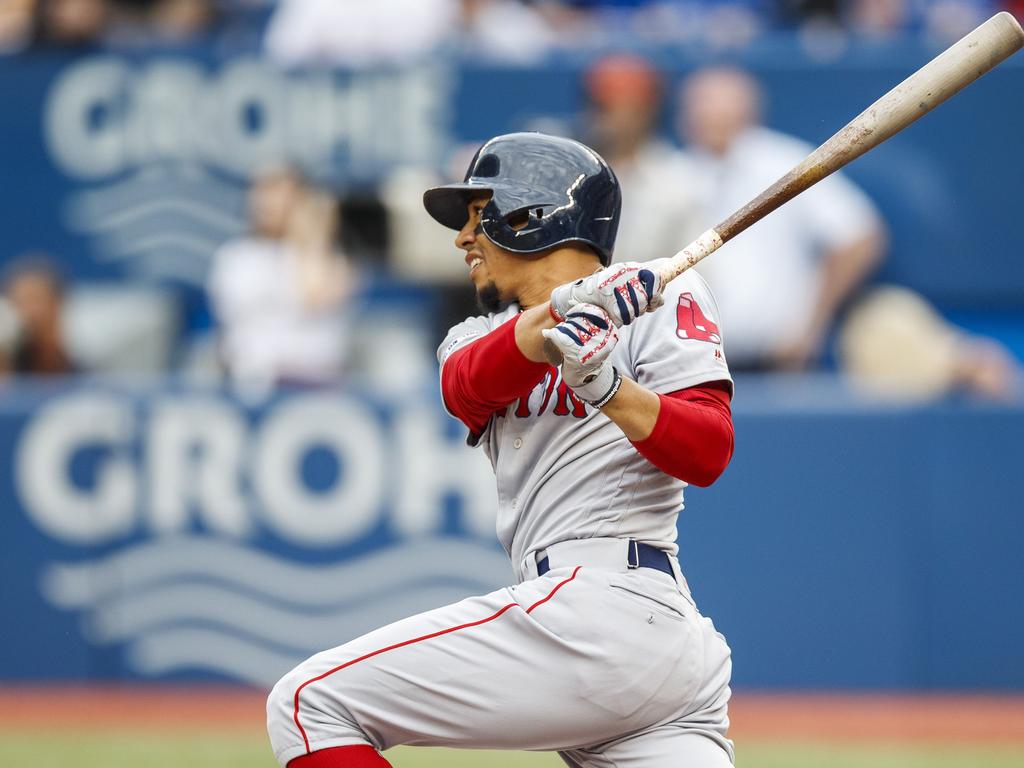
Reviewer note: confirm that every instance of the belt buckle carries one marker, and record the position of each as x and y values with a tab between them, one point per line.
633	555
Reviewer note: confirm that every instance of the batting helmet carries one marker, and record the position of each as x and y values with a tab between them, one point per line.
545	191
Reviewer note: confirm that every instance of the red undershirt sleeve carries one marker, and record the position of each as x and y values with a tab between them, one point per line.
693	437
486	376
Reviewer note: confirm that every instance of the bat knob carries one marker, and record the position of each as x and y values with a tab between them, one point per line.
552	352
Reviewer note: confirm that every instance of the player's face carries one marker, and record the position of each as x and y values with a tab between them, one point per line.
492	269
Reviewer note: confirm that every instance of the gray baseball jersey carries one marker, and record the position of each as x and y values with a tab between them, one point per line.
564	470
607	663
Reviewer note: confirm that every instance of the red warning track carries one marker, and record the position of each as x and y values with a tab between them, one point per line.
143	707
878	718
756	716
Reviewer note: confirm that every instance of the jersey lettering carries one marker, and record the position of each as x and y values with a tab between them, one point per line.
523	407
566	401
565	397
691	322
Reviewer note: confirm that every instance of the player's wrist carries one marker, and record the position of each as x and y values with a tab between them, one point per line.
599	391
529	329
553	312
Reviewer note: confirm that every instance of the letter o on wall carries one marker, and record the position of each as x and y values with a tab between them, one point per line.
295	511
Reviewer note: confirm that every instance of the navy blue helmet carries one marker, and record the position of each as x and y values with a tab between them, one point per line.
545	191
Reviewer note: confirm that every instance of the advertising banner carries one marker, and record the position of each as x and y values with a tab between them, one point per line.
162	533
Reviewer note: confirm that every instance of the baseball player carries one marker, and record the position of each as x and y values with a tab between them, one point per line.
598	650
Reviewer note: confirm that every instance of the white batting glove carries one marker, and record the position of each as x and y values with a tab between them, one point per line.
586	337
625	291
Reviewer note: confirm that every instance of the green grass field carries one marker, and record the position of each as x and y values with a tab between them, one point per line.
110	749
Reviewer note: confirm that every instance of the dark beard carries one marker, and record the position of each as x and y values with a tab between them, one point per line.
488	299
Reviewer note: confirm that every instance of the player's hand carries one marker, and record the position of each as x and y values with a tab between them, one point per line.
586	337
625	291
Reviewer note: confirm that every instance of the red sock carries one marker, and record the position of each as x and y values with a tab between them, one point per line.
356	756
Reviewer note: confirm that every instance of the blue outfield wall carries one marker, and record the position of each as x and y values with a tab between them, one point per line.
858	548
162	532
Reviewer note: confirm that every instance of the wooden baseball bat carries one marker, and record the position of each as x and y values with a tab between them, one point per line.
952	70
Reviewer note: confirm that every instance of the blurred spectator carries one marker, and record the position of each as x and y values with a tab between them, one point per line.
72	23
732	25
944	20
36	294
503	30
803	11
659	205
9	331
949	20
358	32
279	293
573	27
606	4
878	18
780	285
16	24
84	23
178	20
894	345
715	23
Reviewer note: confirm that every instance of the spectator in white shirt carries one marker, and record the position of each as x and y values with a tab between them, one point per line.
503	30
780	285
367	32
279	294
358	32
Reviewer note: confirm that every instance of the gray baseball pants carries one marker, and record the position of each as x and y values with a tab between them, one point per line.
612	667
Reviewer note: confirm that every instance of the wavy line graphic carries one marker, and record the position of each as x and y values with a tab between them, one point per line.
203	604
123	248
126	617
155	183
164	221
81	585
201	650
85	215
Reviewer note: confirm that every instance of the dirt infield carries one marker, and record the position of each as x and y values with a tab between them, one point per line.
759	716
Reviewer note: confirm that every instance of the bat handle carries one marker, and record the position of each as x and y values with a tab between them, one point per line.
670	268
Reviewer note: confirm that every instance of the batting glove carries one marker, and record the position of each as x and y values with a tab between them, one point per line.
586	338
625	291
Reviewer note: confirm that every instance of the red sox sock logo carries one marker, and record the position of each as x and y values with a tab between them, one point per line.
691	322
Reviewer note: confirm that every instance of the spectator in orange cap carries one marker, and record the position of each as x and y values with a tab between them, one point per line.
659	213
